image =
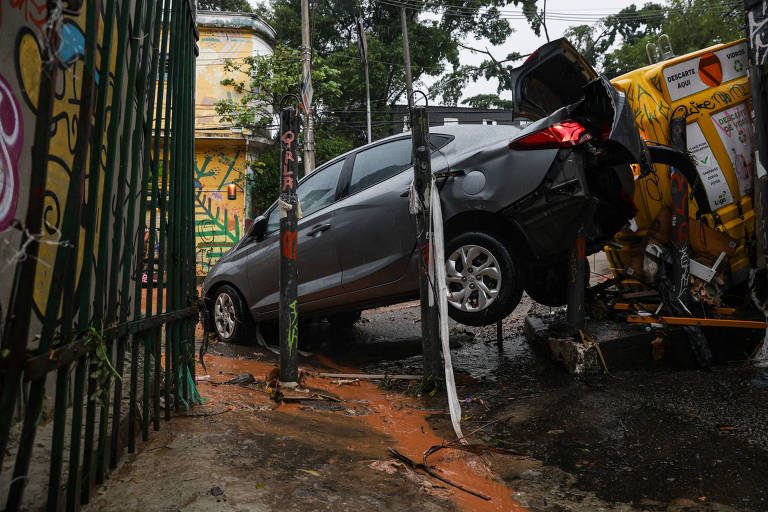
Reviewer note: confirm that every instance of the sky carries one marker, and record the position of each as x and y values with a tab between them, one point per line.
524	41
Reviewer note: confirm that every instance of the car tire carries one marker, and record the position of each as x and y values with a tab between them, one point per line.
231	321
492	297
344	319
548	284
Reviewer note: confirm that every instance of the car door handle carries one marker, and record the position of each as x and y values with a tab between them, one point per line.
316	230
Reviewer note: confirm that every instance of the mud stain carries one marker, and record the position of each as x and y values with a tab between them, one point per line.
365	421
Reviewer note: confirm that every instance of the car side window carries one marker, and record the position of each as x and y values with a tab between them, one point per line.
379	163
315	193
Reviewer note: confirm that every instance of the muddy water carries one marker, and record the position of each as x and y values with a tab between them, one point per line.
386	419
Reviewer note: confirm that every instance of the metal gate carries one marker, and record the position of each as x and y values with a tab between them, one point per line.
97	221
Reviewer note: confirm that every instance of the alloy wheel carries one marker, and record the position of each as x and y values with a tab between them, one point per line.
473	277
224	315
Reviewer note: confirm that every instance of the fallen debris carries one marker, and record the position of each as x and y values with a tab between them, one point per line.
242	379
377	376
424	483
341	382
415	465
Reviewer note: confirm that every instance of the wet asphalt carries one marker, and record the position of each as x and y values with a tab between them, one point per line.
658	438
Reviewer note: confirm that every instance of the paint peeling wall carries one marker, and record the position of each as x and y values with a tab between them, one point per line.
220	150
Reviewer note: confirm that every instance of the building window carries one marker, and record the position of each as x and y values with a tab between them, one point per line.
450	120
489	121
405	123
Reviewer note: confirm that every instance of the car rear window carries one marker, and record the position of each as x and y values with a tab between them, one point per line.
437	140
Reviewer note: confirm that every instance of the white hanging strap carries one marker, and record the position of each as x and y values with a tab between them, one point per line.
437	262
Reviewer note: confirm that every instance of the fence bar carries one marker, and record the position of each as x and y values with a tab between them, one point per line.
20	306
148	32
130	248
17	323
92	223
159	201
152	158
70	232
121	260
170	117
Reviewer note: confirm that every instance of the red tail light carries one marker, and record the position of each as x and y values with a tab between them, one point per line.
561	135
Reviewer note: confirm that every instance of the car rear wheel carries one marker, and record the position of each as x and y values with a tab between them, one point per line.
230	317
482	275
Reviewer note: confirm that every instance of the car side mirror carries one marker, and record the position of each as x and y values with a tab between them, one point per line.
258	226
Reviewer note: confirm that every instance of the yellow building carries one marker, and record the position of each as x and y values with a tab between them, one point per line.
221	151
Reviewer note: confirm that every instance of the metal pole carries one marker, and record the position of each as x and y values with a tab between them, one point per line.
681	264
289	268
368	100
577	268
407	59
306	69
757	31
422	178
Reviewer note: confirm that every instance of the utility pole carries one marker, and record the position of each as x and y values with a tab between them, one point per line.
757	31
364	53
407	59
306	71
289	267
422	181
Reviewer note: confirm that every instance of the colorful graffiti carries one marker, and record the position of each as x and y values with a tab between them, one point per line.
757	27
217	218
26	57
11	143
220	152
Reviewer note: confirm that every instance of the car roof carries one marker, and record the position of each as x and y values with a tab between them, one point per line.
470	135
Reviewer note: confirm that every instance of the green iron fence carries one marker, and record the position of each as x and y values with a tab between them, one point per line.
106	93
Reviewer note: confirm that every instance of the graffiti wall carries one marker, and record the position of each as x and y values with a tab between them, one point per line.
21	25
220	149
218	219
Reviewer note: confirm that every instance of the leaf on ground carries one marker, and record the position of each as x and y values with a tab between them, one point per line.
310	471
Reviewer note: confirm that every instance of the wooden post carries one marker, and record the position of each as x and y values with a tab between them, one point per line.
289	268
681	264
422	178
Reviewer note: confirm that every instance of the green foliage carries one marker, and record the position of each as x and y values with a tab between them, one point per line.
103	367
224	5
261	81
690	24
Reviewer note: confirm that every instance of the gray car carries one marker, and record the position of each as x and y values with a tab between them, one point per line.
512	199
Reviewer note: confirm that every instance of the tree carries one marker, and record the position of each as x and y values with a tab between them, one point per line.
690	25
259	84
435	29
224	5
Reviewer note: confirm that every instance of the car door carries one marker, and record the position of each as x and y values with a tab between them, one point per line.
318	239
379	232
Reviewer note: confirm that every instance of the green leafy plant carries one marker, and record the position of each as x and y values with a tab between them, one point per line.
97	344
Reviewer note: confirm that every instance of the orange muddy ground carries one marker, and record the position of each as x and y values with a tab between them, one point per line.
327	455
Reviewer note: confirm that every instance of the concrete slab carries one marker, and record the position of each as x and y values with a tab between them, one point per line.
624	347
